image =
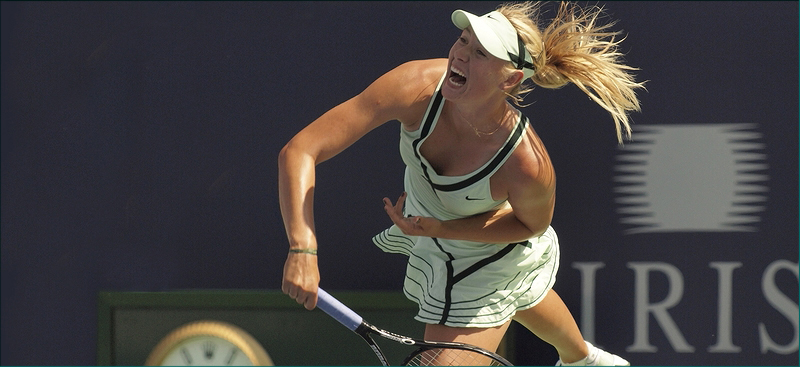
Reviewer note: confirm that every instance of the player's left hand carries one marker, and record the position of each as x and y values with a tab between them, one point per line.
412	225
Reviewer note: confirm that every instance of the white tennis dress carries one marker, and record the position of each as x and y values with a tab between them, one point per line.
463	283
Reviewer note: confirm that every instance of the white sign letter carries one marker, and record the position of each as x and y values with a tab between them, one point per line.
724	309
780	302
587	269
659	310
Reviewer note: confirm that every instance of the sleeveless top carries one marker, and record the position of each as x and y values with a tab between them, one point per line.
449	197
456	282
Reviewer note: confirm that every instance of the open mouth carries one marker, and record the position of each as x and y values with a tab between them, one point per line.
457	77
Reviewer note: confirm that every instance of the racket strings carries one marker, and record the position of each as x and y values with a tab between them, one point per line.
450	357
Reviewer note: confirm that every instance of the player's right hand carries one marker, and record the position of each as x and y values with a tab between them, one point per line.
301	279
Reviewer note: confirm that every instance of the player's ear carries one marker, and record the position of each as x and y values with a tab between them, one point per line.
512	79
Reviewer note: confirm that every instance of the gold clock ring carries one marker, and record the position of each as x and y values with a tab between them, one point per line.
231	333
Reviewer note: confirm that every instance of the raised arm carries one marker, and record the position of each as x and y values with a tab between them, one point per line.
394	96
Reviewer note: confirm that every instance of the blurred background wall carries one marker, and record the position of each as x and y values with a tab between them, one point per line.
139	147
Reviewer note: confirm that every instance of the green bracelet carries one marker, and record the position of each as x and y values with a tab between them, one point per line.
309	251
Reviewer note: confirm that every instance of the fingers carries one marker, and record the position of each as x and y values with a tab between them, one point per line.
395	211
306	298
310	301
387	205
290	289
401	201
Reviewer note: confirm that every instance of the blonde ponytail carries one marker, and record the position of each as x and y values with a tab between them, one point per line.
574	48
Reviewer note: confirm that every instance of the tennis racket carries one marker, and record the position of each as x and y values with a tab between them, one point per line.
427	354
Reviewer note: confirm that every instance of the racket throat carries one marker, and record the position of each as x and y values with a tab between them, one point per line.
364	330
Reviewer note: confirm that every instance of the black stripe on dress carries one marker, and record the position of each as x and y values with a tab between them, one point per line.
426	129
491	167
453	279
476	266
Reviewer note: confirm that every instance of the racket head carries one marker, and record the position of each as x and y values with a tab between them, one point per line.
450	356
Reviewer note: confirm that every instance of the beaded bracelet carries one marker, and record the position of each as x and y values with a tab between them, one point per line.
309	251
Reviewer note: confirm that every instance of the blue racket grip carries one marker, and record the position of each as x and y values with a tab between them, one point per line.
338	310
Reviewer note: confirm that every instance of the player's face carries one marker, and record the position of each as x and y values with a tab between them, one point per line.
472	71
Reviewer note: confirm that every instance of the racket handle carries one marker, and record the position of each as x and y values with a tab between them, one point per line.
338	310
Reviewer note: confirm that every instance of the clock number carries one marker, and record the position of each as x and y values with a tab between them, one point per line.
186	356
208	349
231	357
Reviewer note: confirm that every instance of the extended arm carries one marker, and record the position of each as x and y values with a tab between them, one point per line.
390	97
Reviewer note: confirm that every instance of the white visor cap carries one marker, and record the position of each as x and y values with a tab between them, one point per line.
497	36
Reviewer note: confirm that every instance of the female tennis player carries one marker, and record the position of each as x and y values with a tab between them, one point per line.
475	216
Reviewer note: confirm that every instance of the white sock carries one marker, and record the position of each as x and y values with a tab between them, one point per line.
593	354
586	361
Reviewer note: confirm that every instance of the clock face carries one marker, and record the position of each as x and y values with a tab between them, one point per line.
208	343
206	350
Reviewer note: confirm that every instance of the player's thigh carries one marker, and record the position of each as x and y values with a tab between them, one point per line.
486	338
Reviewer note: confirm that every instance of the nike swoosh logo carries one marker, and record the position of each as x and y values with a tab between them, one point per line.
469	198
